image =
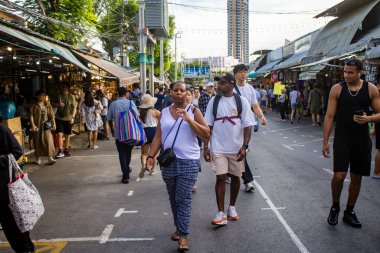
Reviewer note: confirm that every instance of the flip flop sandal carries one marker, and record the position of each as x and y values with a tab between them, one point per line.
182	244
175	236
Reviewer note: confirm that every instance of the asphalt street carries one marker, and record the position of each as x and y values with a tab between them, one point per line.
88	210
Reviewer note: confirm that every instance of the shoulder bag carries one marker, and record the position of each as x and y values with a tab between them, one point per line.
25	202
168	156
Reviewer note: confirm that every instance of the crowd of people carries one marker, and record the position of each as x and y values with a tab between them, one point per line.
218	120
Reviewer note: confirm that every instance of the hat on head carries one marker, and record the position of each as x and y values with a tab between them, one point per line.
147	101
226	77
210	84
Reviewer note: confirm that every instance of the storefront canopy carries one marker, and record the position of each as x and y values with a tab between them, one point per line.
125	76
48	46
340	32
267	67
373	53
311	73
293	60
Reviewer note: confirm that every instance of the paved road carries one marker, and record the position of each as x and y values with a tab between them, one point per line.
89	211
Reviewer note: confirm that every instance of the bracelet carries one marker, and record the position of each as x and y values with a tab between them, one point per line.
149	156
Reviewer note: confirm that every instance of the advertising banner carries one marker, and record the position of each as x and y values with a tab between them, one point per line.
278	87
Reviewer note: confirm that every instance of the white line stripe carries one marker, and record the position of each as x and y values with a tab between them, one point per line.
122	210
332	173
130	239
106	234
294	237
269	208
130	193
305	142
286	146
255	176
283	129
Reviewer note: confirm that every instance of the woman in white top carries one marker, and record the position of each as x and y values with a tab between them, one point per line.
91	113
196	96
149	118
181	175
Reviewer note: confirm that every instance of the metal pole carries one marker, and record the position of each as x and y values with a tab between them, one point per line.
151	67
175	58
122	34
162	60
142	43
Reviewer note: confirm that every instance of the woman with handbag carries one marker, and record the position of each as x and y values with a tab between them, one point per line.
149	117
91	113
20	242
176	136
42	123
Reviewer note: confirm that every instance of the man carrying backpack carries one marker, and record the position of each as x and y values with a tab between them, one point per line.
247	91
230	118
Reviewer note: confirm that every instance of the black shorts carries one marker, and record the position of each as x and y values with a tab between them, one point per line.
353	152
63	126
149	132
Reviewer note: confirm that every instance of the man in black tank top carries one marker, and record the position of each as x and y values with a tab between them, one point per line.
349	102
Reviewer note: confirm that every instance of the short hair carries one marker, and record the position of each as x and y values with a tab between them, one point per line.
354	62
122	91
240	67
161	88
175	83
39	93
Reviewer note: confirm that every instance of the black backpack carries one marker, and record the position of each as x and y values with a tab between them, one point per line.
216	103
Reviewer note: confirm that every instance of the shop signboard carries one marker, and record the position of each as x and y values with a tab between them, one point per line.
278	87
196	71
274	77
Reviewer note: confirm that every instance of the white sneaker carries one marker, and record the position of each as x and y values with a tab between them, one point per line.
220	219
38	161
249	187
51	160
231	213
228	180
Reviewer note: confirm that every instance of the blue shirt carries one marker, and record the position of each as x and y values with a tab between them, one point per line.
120	105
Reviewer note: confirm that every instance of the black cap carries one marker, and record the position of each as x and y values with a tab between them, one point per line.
226	77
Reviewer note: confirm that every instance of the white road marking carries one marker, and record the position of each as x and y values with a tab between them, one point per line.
315	151
283	129
302	135
130	193
332	173
106	234
285	137
256	176
122	210
294	237
269	208
311	136
88	239
279	134
130	239
286	146
294	141
264	133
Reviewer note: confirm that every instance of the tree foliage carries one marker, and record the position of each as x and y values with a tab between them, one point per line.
80	13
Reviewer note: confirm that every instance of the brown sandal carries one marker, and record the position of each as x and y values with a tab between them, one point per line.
175	235
182	244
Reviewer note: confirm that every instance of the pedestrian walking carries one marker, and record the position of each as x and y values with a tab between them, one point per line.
205	97
244	89
282	104
42	123
196	96
376	171
64	119
160	98
264	98
20	242
124	150
90	111
315	104
180	124
149	117
230	117
294	97
349	102
104	102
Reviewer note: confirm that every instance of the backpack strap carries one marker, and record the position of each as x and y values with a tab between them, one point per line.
215	105
237	89
239	104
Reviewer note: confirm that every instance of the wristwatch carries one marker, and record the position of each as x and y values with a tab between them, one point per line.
245	146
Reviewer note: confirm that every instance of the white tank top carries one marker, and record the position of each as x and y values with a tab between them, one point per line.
186	146
150	121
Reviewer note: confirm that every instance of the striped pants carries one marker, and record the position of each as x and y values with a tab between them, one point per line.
180	178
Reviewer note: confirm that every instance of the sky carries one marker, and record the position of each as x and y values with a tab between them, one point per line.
204	30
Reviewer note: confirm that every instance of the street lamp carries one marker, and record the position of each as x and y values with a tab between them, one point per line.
177	35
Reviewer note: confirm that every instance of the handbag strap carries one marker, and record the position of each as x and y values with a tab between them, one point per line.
13	167
173	127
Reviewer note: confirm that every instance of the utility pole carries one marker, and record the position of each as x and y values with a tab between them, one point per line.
122	37
177	35
162	79
142	44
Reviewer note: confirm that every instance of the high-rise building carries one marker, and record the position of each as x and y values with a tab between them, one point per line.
238	29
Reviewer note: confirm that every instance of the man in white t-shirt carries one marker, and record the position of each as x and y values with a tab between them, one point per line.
231	132
241	73
293	95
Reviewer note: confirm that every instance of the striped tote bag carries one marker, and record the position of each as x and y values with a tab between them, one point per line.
130	129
